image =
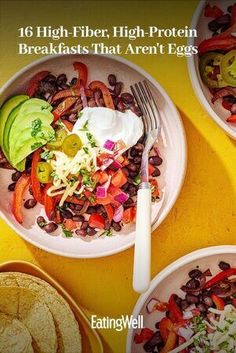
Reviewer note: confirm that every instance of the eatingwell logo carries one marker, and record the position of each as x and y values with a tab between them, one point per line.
121	323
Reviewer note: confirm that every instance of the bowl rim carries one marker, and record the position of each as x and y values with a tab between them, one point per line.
174	266
183	150
195	79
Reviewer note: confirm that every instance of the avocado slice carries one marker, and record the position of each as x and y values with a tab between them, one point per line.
6	109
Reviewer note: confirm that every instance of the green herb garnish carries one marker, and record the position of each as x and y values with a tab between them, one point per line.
36	145
46	155
36	127
91	139
68	233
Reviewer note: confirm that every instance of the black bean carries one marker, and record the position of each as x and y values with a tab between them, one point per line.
192	299
133	174
202	307
229	9
153	342
50	78
193	284
132	167
157	325
30	203
155	160
84	225
50	227
224	265
178	300
184	304
91	209
41	221
66	214
120	106
127	98
64	86
81	232
11	187
215	34
46	87
156	172
195	273
137	160
213	26
223	20
16	176
73	81
116	101
224	28
107	224
112	80
72	118
78	218
136	110
61	79
126	171
134	152
129	202
132	190
91	231
139	147
207	300
117	88
116	226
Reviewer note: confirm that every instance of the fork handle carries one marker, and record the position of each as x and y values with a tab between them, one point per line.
142	251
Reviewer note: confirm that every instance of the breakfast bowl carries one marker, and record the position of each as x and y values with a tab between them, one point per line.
212	19
182	297
170	147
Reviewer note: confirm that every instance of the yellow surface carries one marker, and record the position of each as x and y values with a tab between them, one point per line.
205	213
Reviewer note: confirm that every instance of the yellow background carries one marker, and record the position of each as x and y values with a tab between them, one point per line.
204	214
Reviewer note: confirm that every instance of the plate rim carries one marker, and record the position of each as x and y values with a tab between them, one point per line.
183	144
175	265
192	72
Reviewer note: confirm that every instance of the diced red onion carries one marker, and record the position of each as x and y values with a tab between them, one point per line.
116	165
118	214
187	315
101	192
150	307
122	197
109	145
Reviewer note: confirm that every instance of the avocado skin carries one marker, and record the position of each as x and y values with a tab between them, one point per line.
6	109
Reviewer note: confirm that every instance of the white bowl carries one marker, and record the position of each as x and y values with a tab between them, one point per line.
216	111
172	148
172	278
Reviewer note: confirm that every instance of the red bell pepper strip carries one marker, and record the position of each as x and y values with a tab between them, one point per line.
213	11
233	14
224	41
165	326
49	202
175	311
95	85
143	336
36	186
73	199
96	221
170	342
231	119
129	215
34	82
68	125
18	194
109	211
71	92
220	277
219	302
63	107
82	74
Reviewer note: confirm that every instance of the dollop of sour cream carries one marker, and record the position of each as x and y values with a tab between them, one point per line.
108	124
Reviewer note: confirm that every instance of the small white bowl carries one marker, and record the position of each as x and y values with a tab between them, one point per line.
216	111
172	148
169	281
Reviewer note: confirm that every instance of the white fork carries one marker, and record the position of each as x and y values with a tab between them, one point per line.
152	127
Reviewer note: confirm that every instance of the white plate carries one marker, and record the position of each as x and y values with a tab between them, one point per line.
216	111
172	149
172	278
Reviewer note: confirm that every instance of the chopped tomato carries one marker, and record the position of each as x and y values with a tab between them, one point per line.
110	212
68	124
100	176
90	196
232	119
104	200
129	215
151	169
70	224
119	178
103	158
143	336
114	191
73	199
82	73
213	11
96	221
35	184
18	194
63	107
98	85
34	82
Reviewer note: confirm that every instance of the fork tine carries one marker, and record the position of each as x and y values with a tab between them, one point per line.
140	107
156	110
148	106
